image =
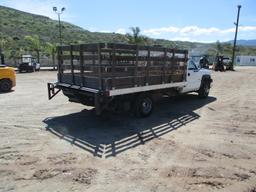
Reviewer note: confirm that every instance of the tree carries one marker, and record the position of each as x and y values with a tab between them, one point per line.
219	48
50	50
34	44
3	42
135	37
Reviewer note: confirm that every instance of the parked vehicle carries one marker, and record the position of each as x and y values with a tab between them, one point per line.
222	63
7	78
126	77
28	64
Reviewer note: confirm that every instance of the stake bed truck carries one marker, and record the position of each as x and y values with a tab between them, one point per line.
126	77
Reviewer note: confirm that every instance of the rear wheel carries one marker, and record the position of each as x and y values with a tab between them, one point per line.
143	105
5	85
204	90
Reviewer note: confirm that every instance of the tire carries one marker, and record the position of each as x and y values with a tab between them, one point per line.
143	105
5	85
204	89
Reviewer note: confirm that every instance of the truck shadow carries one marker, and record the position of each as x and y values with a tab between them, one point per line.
111	136
2	93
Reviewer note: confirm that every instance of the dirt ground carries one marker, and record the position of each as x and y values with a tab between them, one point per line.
188	144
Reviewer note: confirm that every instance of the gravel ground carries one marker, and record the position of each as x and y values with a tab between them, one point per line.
188	144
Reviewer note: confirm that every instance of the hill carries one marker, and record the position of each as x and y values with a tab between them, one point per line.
15	23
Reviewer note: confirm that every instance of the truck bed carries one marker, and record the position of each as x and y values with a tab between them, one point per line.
120	68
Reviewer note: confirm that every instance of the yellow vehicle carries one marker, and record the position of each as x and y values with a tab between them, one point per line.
7	78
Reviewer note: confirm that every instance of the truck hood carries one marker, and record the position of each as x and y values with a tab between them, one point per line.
4	67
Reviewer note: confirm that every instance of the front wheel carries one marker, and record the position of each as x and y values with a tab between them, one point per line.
5	85
204	90
143	105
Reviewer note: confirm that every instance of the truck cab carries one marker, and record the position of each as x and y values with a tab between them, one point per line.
28	64
198	80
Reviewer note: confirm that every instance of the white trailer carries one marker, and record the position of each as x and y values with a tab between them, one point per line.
245	60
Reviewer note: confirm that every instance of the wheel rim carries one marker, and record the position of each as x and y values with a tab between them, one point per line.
146	105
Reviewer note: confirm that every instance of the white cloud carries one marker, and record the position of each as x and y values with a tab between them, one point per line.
159	31
121	31
40	7
195	33
104	31
247	28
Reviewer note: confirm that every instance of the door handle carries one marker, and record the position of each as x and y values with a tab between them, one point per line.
188	74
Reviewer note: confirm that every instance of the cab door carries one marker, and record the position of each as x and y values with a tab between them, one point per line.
193	78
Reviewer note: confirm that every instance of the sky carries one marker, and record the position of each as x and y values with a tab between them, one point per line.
185	20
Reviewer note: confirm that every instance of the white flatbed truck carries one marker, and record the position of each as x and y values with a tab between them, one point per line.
126	77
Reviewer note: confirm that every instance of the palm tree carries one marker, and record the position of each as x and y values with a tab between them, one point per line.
35	45
135	37
219	48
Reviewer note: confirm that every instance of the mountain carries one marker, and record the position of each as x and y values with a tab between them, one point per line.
242	42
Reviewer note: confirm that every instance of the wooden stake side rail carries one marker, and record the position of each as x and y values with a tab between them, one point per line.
113	66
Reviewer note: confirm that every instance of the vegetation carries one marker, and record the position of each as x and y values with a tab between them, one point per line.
34	45
25	33
50	50
136	37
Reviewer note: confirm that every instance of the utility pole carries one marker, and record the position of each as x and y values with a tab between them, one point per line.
234	46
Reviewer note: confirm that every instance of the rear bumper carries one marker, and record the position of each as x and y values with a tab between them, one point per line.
75	87
77	94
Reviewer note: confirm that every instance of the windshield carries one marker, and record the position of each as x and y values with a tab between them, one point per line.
192	65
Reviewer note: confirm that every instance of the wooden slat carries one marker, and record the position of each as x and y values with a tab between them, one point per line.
172	64
121	46
136	67
72	64
120	51
99	68
147	67
60	63
113	63
81	59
